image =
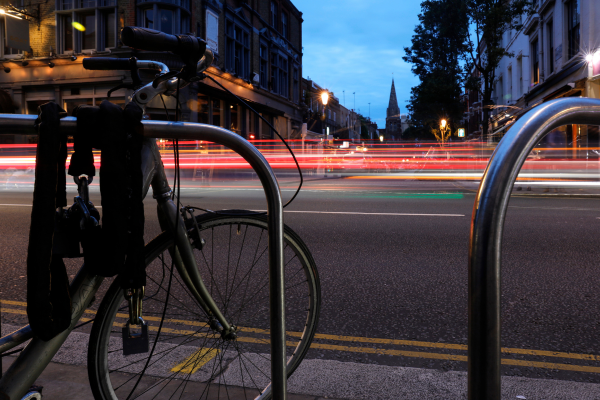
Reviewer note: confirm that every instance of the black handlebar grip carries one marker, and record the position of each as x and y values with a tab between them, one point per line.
103	63
148	39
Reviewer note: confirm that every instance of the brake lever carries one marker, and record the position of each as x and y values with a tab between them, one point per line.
165	77
123	86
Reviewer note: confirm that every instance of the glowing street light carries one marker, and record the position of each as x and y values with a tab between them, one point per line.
381	138
325	97
444	132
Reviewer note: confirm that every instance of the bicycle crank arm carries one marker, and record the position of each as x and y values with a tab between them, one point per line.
183	257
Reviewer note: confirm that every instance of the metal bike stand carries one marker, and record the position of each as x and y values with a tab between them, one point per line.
487	222
23	124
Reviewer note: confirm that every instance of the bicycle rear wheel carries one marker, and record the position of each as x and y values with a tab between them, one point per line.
191	360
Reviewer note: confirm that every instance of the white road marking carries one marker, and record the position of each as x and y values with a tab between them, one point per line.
366	213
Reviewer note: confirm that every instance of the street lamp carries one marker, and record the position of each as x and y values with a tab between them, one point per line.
324	97
381	138
324	100
444	132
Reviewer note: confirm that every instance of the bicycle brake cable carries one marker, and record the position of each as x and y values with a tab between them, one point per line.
177	187
274	130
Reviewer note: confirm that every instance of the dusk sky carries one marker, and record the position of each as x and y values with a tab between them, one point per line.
355	46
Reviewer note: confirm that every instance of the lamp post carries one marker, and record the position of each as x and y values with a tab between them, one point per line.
443	130
324	100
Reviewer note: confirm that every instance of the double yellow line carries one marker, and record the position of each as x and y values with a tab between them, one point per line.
372	341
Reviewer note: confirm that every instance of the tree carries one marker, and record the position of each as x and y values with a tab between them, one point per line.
364	127
489	20
437	46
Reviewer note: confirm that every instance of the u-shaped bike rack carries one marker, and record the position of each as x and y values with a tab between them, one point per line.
487	223
24	124
485	243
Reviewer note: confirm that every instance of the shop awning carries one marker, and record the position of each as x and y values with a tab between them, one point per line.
565	91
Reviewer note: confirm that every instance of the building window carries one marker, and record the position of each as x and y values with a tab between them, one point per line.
202	108
238	50
88	37
264	67
169	16
295	86
500	92
274	72
283	77
216	112
95	21
573	27
520	75
274	14
510	79
550	41
5	51
535	63
284	25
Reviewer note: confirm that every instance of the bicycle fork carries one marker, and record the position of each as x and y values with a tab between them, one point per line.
183	257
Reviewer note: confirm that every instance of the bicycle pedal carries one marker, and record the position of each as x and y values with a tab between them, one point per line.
35	393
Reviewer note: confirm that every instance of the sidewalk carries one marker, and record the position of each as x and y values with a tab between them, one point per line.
70	382
327	379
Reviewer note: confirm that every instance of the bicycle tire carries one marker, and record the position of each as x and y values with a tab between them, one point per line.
239	367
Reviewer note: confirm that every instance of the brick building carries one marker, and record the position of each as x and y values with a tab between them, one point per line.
257	46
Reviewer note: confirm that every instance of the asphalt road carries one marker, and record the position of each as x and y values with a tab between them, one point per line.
392	258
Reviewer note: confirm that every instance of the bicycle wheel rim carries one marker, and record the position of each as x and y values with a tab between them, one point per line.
224	366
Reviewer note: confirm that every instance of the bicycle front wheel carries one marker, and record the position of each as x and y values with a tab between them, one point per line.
192	360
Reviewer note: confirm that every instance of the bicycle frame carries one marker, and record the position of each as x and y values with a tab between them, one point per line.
37	354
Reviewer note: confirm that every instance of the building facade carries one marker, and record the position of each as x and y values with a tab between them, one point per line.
257	46
332	121
557	54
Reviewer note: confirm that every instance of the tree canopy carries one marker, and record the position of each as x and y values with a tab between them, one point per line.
455	38
437	47
490	20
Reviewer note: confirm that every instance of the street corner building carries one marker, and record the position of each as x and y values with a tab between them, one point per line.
257	46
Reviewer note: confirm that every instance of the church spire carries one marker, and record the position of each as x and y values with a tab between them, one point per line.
393	110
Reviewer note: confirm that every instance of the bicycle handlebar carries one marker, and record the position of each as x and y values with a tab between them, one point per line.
149	39
188	47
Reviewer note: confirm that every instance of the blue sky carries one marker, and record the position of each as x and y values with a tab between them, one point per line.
355	46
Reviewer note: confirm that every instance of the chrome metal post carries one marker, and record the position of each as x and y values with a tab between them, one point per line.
23	124
191	131
487	224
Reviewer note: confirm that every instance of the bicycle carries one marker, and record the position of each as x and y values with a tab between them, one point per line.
208	276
